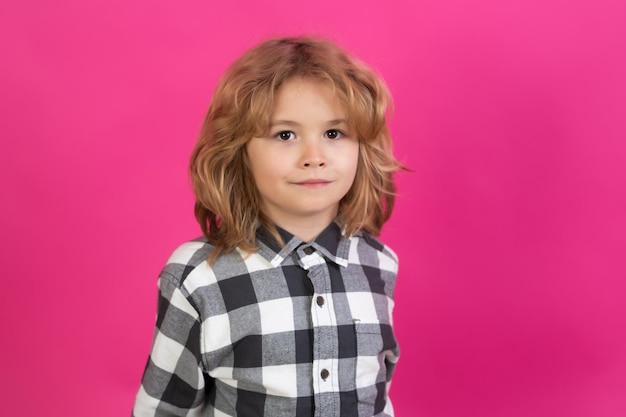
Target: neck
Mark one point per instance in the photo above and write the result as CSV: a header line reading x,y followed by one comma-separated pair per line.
x,y
305,232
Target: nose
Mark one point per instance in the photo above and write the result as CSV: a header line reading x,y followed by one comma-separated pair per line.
x,y
313,155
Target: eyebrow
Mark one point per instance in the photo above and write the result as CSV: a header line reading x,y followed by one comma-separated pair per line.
x,y
334,122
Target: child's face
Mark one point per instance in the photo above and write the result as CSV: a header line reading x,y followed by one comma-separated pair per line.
x,y
308,162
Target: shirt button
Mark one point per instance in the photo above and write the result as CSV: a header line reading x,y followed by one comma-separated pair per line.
x,y
319,300
309,250
324,374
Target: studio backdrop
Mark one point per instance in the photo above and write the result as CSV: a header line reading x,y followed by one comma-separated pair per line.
x,y
510,225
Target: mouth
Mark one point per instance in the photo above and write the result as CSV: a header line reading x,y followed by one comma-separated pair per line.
x,y
313,183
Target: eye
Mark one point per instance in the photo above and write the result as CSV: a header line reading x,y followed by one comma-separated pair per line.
x,y
333,134
285,135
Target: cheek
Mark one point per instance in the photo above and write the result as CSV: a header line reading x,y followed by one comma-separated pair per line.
x,y
350,168
257,162
259,176
354,162
266,174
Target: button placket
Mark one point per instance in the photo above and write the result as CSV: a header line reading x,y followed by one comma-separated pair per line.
x,y
324,320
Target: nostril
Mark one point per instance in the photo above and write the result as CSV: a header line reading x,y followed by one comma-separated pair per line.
x,y
314,163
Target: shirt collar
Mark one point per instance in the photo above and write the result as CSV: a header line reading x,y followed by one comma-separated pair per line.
x,y
330,243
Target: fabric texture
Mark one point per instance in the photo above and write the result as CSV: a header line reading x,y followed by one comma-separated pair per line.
x,y
300,330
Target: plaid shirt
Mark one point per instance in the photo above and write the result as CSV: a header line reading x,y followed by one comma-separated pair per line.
x,y
299,330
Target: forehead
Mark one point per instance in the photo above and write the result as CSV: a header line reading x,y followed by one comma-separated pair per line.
x,y
304,96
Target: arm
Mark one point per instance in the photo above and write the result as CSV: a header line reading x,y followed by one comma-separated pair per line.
x,y
173,382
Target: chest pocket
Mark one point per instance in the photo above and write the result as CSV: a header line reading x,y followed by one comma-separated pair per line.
x,y
372,341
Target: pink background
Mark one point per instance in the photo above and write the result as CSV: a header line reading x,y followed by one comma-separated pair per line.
x,y
511,298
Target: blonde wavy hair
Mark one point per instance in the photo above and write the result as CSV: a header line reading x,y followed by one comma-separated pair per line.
x,y
227,201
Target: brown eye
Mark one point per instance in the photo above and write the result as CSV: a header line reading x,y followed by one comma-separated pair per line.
x,y
333,134
285,135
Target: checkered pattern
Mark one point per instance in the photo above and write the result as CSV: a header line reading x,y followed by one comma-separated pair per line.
x,y
299,330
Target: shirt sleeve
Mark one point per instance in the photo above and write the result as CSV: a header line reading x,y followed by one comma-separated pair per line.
x,y
392,355
173,382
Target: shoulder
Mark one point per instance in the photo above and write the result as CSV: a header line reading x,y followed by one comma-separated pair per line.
x,y
368,250
189,252
188,267
185,259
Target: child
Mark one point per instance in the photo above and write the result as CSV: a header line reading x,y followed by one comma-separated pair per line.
x,y
284,307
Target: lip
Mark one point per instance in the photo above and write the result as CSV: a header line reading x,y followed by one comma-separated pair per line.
x,y
313,183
